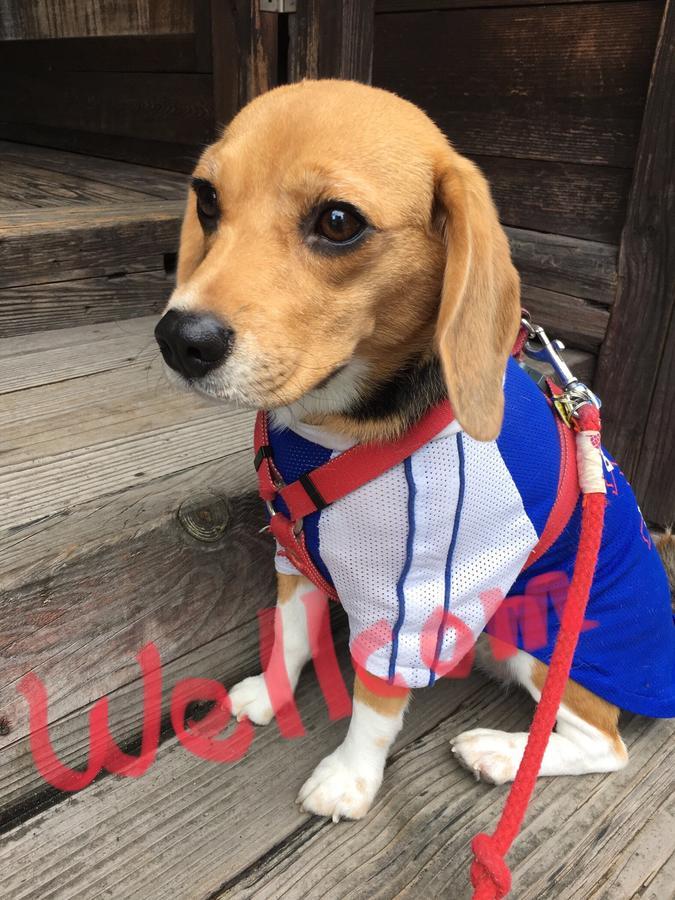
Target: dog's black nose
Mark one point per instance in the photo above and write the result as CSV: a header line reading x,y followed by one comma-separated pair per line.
x,y
193,343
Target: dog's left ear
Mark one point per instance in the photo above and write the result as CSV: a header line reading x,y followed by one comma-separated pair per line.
x,y
479,311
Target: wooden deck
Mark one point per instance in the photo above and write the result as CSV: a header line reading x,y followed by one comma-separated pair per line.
x,y
96,457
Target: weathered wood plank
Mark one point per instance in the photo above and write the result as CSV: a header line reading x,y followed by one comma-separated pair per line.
x,y
31,187
383,6
545,82
568,265
415,842
245,54
640,333
560,198
81,628
172,107
59,245
156,183
37,550
179,157
578,323
242,809
87,18
34,488
118,53
85,301
73,352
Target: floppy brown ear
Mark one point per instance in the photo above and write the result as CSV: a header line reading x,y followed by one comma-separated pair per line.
x,y
479,311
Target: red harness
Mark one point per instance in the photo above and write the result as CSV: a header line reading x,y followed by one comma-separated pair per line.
x,y
364,462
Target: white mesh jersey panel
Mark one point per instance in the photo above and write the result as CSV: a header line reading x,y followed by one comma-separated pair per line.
x,y
366,537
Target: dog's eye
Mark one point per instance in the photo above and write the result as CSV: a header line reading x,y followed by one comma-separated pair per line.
x,y
339,224
208,209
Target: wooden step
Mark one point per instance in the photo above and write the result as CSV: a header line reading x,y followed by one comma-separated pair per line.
x,y
83,240
97,456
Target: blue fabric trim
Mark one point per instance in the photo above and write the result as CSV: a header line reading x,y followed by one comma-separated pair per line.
x,y
450,556
400,585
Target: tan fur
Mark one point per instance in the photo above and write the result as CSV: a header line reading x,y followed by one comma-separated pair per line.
x,y
588,706
386,706
298,314
665,544
286,585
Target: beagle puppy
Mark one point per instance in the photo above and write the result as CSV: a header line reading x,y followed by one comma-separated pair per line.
x,y
343,267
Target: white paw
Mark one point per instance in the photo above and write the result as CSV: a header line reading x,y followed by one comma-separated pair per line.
x,y
491,755
250,698
338,790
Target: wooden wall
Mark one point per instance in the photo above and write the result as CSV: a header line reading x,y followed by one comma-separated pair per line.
x,y
548,100
36,19
127,80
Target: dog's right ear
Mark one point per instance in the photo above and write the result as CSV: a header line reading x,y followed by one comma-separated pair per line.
x,y
479,312
191,248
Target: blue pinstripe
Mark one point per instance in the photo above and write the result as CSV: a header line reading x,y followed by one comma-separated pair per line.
x,y
400,585
450,556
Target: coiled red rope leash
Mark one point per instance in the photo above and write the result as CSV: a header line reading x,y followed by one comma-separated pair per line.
x,y
490,875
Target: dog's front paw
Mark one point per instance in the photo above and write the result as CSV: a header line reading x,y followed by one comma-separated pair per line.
x,y
339,790
491,755
251,698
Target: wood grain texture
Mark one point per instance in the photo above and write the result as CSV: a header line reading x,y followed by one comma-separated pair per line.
x,y
579,323
175,156
155,183
416,841
332,40
242,809
36,550
136,53
25,185
551,82
81,629
560,198
640,335
86,301
88,18
233,831
170,107
571,266
244,53
62,244
382,6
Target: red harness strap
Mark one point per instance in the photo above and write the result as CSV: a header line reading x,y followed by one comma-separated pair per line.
x,y
365,462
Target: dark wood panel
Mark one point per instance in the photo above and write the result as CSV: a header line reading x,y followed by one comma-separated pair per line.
x,y
332,40
59,245
85,301
567,265
138,53
578,323
551,82
427,5
562,198
88,18
163,154
160,107
635,375
245,46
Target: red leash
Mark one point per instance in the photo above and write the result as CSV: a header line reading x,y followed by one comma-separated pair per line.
x,y
490,875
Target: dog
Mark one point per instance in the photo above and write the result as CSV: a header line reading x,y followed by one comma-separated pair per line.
x,y
343,267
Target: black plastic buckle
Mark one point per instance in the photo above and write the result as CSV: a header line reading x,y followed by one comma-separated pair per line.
x,y
264,452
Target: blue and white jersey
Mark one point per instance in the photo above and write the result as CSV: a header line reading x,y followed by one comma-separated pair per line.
x,y
422,556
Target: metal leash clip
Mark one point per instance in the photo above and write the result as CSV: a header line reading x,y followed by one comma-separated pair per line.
x,y
575,393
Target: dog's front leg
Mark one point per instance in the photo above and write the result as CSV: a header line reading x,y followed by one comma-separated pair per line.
x,y
290,652
345,783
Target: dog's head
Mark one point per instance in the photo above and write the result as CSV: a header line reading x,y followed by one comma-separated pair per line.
x,y
332,241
